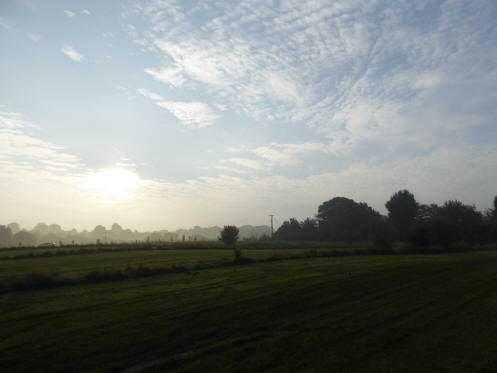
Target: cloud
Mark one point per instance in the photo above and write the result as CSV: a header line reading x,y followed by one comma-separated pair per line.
x,y
277,155
355,72
34,37
72,53
69,13
287,154
21,150
191,114
248,163
86,11
172,76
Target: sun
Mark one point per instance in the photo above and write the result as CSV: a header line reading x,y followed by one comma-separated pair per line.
x,y
115,183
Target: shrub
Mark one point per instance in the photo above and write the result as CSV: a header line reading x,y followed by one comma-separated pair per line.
x,y
229,234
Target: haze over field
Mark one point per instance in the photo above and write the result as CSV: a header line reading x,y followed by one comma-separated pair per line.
x,y
170,114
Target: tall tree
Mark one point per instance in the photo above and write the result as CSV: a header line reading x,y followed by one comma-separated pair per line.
x,y
343,219
402,210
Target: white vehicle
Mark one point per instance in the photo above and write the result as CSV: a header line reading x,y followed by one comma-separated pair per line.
x,y
47,244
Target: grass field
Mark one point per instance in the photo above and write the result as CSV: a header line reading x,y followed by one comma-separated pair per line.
x,y
370,313
71,266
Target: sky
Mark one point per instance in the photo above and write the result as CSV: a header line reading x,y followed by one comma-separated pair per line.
x,y
161,114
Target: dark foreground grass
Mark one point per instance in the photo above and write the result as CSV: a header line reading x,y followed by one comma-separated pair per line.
x,y
74,266
378,313
37,280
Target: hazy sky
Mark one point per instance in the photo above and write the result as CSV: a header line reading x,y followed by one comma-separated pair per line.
x,y
167,114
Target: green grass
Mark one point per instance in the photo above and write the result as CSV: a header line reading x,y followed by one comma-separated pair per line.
x,y
418,313
72,266
9,253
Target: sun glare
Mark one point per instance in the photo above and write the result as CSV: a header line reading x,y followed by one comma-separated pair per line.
x,y
113,183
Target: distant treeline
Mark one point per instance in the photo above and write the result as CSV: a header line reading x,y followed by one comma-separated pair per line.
x,y
342,219
12,235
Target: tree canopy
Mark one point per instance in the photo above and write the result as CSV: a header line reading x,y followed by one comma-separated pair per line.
x,y
229,234
402,210
343,219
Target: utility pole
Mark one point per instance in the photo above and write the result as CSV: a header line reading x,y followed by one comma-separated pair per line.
x,y
272,229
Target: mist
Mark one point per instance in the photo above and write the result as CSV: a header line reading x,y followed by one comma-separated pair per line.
x,y
13,234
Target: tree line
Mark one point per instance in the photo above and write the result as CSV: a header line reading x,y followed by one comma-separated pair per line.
x,y
12,235
344,220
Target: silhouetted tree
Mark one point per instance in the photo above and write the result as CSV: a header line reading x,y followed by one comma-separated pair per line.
x,y
494,210
98,233
463,222
24,238
419,234
492,231
309,230
426,213
55,229
5,236
402,210
290,230
41,229
229,234
116,227
342,219
383,233
99,229
14,227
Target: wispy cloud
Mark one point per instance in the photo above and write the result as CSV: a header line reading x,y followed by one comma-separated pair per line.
x,y
172,76
72,53
86,11
20,149
191,114
248,163
287,154
69,13
277,155
34,37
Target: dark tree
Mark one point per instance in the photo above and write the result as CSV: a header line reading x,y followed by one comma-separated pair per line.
x,y
494,210
290,230
229,234
419,234
402,210
309,229
463,221
342,219
426,213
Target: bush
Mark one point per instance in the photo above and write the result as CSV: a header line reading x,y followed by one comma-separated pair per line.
x,y
229,234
